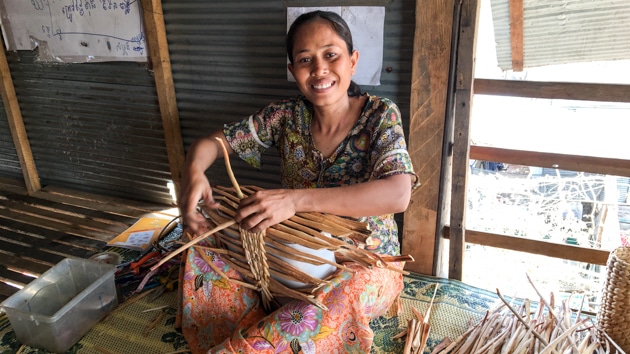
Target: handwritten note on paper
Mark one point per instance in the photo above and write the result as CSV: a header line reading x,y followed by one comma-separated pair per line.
x,y
75,30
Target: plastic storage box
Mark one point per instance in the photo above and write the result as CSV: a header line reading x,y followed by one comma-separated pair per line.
x,y
55,310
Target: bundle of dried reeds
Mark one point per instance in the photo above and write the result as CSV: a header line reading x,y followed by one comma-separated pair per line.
x,y
259,257
418,329
548,329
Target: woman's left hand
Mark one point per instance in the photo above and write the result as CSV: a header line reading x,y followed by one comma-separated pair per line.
x,y
265,208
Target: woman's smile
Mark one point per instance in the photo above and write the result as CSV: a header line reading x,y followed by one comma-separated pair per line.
x,y
323,86
322,66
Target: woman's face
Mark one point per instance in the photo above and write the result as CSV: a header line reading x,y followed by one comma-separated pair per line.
x,y
322,67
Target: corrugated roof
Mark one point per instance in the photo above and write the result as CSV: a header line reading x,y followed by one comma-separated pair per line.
x,y
564,31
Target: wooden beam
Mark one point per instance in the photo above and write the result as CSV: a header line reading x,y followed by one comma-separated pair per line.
x,y
16,124
543,248
554,90
440,259
463,103
160,59
516,34
608,166
429,77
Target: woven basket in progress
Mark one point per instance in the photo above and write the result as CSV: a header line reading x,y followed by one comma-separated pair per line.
x,y
262,257
614,314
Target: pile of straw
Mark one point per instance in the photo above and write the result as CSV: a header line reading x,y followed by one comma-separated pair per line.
x,y
418,330
548,329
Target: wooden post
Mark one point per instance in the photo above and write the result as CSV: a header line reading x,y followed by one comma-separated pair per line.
x,y
461,147
429,88
160,59
16,124
516,34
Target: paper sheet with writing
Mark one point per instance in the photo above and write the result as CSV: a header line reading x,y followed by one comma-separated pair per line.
x,y
137,239
75,30
142,234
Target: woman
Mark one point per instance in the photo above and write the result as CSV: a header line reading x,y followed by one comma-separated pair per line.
x,y
343,153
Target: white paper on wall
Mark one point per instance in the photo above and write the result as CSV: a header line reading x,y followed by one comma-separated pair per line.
x,y
75,30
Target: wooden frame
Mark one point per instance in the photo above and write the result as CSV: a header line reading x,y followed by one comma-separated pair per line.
x,y
161,62
429,91
554,90
609,166
456,231
550,249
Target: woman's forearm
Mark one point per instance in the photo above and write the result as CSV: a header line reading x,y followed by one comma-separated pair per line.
x,y
384,196
269,207
204,151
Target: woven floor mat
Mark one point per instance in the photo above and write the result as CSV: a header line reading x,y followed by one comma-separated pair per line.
x,y
456,306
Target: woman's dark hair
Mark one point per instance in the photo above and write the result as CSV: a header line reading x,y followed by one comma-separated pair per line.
x,y
338,25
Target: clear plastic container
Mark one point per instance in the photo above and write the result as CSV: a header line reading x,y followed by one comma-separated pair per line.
x,y
55,310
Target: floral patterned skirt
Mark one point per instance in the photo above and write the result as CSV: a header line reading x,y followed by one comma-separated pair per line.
x,y
219,316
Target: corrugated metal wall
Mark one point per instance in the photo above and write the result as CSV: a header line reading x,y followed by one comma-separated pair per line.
x,y
229,60
9,163
93,126
561,31
97,126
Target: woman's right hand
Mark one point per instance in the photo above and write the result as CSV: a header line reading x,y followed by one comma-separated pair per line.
x,y
195,188
195,192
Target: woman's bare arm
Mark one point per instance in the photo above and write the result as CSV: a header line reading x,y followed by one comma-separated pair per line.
x,y
269,207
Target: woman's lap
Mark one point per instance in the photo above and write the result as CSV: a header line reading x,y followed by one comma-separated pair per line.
x,y
227,317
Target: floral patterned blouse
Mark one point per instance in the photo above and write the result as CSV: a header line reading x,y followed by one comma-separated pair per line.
x,y
374,148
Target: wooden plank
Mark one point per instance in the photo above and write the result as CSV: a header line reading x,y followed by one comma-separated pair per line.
x,y
440,258
554,90
42,238
6,291
429,88
9,276
16,124
130,208
36,231
51,224
45,250
543,248
115,220
609,166
516,34
110,204
461,147
65,250
12,185
160,59
26,265
82,225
